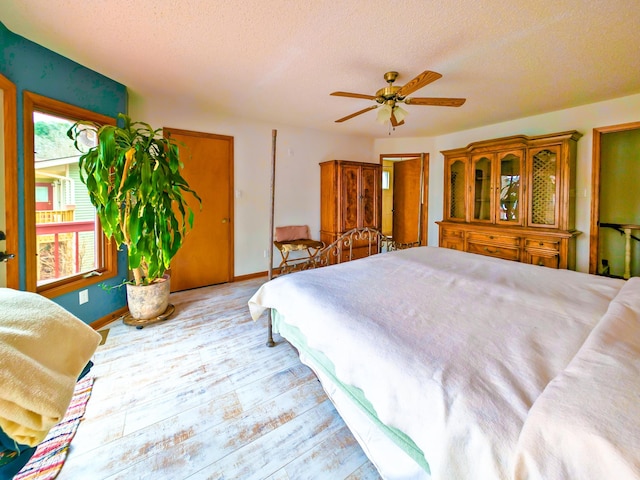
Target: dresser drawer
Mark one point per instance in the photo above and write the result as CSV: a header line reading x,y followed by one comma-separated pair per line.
x,y
542,259
507,253
542,244
493,238
452,233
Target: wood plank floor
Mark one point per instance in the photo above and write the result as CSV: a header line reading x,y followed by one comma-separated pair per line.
x,y
200,396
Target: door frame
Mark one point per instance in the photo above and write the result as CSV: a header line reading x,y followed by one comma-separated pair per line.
x,y
594,234
424,217
10,130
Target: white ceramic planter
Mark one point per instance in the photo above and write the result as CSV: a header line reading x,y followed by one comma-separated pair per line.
x,y
149,301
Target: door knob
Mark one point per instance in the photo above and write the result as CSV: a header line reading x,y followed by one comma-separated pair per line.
x,y
225,220
4,256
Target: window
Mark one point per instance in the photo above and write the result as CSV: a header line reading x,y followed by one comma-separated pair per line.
x,y
385,180
65,246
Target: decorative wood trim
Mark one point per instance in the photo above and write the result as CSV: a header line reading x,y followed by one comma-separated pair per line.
x,y
515,141
249,276
594,232
107,319
10,121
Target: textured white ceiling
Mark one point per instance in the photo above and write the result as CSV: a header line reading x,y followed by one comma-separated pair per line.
x,y
278,60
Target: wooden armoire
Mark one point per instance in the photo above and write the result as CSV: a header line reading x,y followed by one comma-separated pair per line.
x,y
350,197
513,198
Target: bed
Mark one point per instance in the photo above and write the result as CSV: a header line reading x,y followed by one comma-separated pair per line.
x,y
450,365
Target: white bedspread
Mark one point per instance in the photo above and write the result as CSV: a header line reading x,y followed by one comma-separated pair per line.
x,y
586,423
451,348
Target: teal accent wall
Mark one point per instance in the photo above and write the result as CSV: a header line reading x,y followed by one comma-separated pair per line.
x,y
34,68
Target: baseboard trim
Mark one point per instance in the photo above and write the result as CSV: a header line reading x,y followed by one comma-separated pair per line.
x,y
107,319
250,276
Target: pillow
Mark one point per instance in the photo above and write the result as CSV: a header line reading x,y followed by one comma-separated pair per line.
x,y
294,232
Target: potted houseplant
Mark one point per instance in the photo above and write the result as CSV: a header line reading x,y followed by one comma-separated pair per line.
x,y
133,178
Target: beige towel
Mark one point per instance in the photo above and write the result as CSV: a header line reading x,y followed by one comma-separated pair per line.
x,y
43,349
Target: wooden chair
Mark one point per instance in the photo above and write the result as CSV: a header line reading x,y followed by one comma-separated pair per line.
x,y
295,238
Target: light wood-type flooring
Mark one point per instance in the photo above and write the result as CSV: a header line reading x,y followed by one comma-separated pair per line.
x,y
200,396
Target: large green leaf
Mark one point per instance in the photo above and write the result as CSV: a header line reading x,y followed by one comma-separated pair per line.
x,y
151,190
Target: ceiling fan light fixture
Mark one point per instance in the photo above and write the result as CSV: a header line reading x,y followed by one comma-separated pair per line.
x,y
384,114
400,113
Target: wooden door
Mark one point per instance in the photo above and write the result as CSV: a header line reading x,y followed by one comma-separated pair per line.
x,y
9,271
406,200
387,198
206,257
3,224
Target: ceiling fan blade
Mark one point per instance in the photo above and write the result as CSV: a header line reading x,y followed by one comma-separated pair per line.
x,y
364,110
353,95
420,81
394,121
438,102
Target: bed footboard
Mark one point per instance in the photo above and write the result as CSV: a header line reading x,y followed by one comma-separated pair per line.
x,y
351,245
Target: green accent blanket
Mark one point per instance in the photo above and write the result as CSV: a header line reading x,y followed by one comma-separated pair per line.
x,y
298,340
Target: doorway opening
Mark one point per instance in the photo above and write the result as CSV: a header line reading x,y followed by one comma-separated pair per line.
x,y
614,248
405,180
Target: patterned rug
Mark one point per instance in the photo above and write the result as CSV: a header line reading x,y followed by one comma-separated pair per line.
x,y
50,455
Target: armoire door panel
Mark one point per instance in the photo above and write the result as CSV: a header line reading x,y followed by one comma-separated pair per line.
x,y
350,194
369,193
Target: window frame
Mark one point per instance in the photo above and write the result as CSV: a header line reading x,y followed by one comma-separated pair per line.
x,y
109,268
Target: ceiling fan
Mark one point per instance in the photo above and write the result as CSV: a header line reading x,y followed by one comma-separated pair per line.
x,y
389,97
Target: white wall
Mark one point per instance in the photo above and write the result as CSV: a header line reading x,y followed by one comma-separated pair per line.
x,y
583,119
298,153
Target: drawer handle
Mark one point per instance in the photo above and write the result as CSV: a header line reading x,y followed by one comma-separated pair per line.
x,y
541,263
487,249
491,237
541,244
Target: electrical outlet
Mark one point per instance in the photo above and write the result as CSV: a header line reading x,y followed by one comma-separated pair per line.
x,y
83,296
265,254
